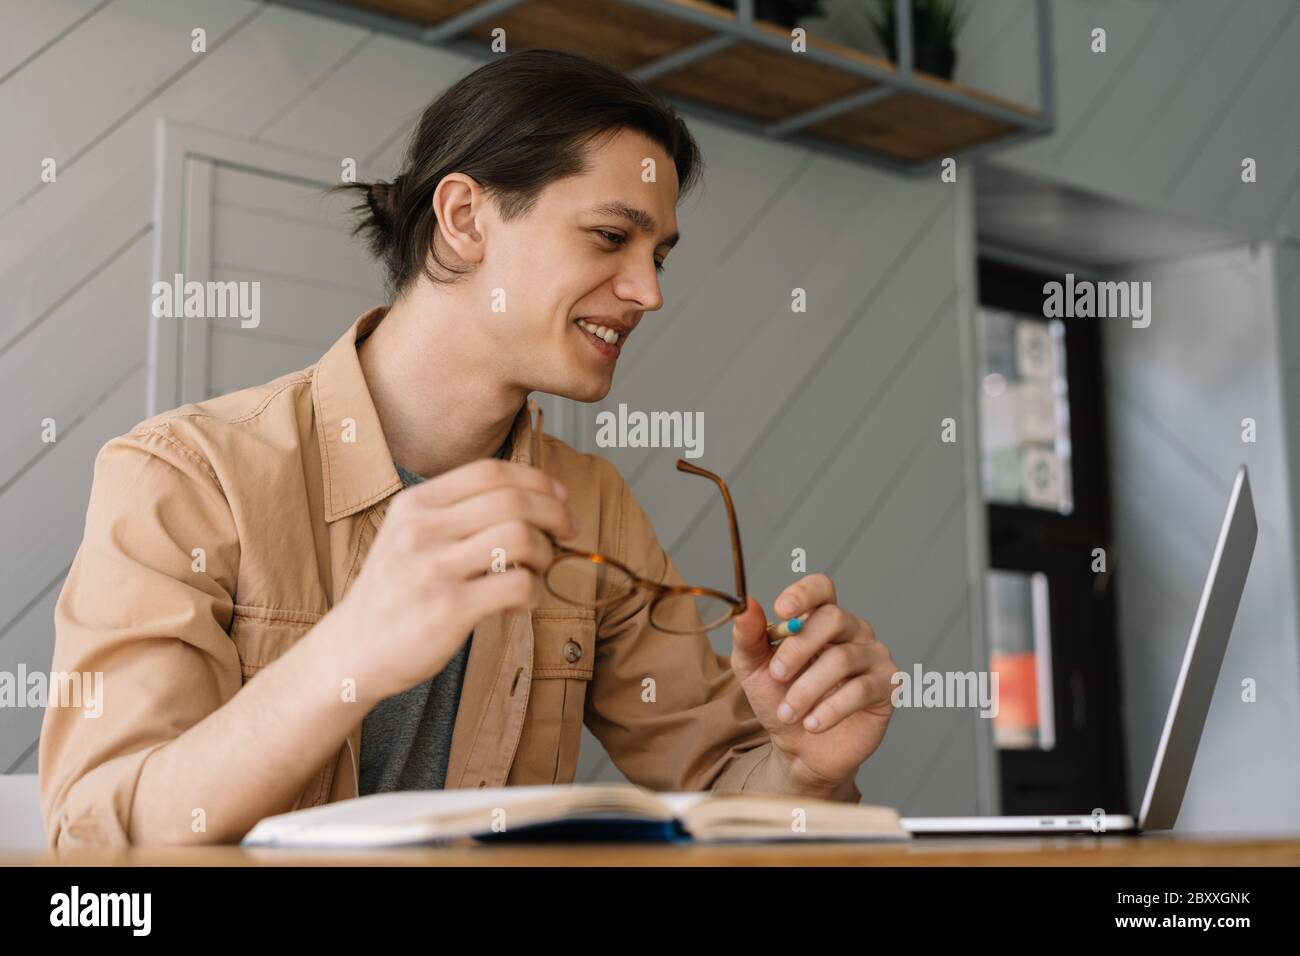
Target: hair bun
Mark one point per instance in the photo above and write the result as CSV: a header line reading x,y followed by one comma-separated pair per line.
x,y
383,199
379,195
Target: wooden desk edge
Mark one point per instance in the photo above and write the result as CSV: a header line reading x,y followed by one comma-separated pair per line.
x,y
1148,850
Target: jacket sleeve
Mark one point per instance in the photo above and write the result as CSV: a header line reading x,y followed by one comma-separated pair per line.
x,y
667,708
145,614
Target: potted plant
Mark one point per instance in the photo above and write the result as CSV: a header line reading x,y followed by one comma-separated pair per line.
x,y
787,13
935,25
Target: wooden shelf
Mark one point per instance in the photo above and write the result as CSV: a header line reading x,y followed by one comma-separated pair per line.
x,y
700,55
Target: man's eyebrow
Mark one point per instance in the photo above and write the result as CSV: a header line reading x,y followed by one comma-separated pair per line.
x,y
638,217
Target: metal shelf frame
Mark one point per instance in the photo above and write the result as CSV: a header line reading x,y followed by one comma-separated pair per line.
x,y
729,31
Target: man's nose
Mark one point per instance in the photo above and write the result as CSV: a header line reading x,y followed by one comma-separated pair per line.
x,y
641,285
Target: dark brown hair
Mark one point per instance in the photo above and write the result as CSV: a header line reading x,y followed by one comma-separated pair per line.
x,y
514,125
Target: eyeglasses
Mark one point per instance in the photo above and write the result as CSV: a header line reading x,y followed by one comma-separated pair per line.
x,y
596,580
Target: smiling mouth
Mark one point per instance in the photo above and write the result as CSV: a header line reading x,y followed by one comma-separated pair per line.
x,y
608,350
607,335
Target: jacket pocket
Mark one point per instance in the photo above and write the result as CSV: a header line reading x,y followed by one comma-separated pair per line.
x,y
564,649
262,634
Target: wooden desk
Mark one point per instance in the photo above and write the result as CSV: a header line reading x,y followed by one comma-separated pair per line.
x,y
1149,850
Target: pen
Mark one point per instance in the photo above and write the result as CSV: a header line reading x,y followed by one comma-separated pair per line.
x,y
778,631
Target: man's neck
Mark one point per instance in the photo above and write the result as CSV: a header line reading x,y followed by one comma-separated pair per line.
x,y
438,400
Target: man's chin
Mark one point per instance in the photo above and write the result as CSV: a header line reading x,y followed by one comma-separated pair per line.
x,y
586,390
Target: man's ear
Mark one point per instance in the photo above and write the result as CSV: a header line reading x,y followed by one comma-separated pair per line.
x,y
458,202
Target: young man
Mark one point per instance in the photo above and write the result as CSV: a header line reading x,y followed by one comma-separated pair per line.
x,y
290,590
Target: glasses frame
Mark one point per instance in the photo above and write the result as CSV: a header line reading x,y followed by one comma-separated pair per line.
x,y
657,589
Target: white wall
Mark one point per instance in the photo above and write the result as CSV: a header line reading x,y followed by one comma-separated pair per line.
x,y
1177,393
1161,122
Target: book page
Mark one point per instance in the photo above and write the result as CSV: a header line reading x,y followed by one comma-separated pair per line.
x,y
443,809
386,809
680,801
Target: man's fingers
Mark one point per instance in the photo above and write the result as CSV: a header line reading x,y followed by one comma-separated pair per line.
x,y
863,692
507,545
835,665
826,625
516,589
749,647
541,509
805,594
477,477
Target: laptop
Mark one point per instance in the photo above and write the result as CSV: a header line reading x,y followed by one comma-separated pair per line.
x,y
1191,701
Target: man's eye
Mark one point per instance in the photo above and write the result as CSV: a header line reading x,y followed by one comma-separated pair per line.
x,y
619,239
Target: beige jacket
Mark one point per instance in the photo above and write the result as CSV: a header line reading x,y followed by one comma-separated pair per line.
x,y
286,511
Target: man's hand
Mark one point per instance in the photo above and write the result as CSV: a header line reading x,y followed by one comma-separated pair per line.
x,y
823,694
426,582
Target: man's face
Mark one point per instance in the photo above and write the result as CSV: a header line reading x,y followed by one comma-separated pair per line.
x,y
575,256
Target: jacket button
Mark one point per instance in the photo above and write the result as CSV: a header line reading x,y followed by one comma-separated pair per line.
x,y
572,651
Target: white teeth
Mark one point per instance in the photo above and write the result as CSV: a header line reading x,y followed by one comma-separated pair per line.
x,y
600,331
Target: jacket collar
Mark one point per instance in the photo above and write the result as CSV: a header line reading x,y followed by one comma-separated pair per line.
x,y
356,463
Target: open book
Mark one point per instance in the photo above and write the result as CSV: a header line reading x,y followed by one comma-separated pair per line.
x,y
575,812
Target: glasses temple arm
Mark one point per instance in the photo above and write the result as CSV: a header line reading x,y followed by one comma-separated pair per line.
x,y
736,553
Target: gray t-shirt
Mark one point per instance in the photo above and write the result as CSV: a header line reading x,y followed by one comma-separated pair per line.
x,y
406,738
